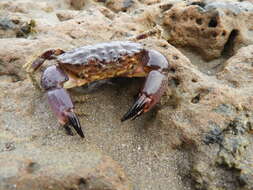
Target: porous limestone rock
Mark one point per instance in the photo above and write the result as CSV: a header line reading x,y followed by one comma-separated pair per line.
x,y
211,28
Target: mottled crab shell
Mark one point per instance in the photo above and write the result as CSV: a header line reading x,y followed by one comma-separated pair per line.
x,y
102,52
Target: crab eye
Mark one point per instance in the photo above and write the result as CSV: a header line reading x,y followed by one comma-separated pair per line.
x,y
111,52
115,58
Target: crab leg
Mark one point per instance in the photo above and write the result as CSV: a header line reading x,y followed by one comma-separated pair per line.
x,y
52,81
47,55
32,67
154,87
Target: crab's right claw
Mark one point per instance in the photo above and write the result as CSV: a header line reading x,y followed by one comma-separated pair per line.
x,y
62,107
52,81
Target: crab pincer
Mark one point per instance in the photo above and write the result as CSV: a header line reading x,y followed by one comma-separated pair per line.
x,y
52,81
149,96
61,104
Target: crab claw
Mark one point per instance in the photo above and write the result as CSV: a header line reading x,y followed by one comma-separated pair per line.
x,y
58,98
62,107
74,122
139,107
154,87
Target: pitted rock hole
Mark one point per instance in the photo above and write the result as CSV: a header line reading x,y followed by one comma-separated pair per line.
x,y
200,4
213,22
196,99
228,49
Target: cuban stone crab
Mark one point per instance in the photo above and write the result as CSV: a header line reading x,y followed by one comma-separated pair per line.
x,y
90,63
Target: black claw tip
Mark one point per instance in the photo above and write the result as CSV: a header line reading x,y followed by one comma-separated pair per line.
x,y
74,122
136,110
68,129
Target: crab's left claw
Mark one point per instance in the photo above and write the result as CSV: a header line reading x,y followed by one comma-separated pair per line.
x,y
140,106
154,87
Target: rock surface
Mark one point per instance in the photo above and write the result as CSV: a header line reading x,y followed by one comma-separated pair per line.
x,y
198,137
213,28
43,169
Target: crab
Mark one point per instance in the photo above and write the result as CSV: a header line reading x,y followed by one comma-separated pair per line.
x,y
90,63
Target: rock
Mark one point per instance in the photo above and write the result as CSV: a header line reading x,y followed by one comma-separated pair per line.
x,y
224,126
214,29
150,2
16,28
77,4
64,15
24,7
237,70
119,5
51,169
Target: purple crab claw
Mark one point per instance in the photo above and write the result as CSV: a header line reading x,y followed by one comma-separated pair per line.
x,y
62,107
154,87
58,98
140,106
73,121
